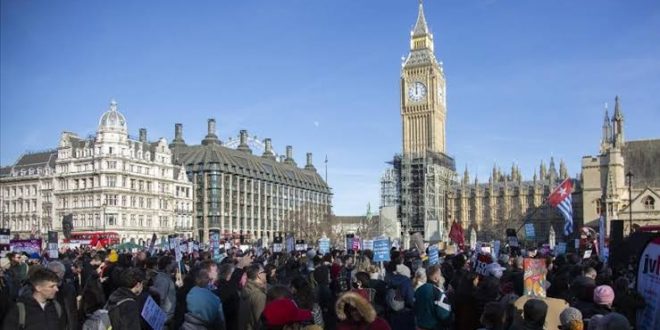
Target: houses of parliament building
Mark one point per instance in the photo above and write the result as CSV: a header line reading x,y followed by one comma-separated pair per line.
x,y
423,192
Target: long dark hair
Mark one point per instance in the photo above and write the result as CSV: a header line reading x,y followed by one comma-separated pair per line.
x,y
304,295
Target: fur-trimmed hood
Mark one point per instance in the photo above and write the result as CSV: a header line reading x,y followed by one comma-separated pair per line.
x,y
358,302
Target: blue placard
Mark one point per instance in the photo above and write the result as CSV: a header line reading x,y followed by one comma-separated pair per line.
x,y
433,255
290,244
381,250
152,313
529,231
324,245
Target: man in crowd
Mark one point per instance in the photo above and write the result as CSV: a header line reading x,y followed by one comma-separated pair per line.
x,y
40,310
253,297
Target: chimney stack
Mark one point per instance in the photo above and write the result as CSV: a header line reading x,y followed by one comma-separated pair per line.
x,y
211,138
268,151
309,166
289,156
143,135
243,146
178,136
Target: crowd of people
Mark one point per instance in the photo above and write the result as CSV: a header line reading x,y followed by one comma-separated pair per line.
x,y
87,288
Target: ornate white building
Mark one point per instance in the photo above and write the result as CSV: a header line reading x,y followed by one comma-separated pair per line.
x,y
107,182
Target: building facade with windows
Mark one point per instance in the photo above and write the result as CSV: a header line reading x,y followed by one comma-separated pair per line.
x,y
240,194
106,182
26,194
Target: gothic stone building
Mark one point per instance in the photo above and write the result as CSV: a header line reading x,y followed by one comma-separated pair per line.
x,y
240,194
607,190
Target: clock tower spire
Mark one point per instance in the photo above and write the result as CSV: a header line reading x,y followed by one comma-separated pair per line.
x,y
423,100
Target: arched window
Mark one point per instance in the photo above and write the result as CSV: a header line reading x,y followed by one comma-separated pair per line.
x,y
649,203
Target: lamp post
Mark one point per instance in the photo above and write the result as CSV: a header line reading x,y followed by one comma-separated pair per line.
x,y
629,176
104,217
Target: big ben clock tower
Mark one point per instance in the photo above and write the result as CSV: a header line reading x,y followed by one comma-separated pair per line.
x,y
425,169
423,106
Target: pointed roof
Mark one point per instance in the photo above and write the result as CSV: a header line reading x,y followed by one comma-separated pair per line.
x,y
421,28
606,121
617,110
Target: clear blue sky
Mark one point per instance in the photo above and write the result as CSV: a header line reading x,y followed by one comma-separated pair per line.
x,y
526,79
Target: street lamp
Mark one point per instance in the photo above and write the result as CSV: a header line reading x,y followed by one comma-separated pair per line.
x,y
629,175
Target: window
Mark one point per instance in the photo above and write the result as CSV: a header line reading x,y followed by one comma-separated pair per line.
x,y
599,207
112,181
649,203
111,164
112,220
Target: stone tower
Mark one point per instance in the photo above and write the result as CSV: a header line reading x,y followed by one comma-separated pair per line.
x,y
423,106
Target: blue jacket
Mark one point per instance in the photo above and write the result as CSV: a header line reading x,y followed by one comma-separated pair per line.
x,y
404,284
432,308
206,306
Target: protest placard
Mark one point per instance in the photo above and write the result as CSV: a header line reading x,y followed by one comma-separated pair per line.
x,y
324,245
368,244
534,277
381,250
153,314
433,255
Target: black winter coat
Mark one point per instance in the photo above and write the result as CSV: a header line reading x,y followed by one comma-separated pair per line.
x,y
36,318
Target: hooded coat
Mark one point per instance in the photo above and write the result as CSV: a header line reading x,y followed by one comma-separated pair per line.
x,y
369,318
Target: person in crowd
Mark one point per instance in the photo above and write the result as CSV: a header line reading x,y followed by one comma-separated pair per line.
x,y
160,284
354,312
204,307
432,308
66,296
123,306
18,272
626,301
5,287
229,294
419,279
253,297
380,290
400,298
282,313
493,317
305,298
322,267
464,300
534,313
603,298
571,319
612,321
361,286
39,310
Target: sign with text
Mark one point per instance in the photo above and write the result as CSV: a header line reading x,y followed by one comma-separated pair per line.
x,y
153,314
300,245
648,282
53,252
530,233
368,244
534,277
215,245
481,263
324,245
381,250
290,243
433,255
5,237
560,248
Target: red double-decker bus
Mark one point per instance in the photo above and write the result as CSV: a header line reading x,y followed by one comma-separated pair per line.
x,y
94,238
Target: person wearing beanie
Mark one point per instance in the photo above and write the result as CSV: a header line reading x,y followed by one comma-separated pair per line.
x,y
571,319
534,313
603,299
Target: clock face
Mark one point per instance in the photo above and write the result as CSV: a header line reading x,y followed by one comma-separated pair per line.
x,y
416,91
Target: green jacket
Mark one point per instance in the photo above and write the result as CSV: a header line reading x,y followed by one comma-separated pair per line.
x,y
253,301
432,309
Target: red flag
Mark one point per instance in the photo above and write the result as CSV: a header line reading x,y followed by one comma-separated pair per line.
x,y
456,234
560,193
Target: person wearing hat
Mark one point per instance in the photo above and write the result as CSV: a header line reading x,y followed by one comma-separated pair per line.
x,y
283,313
603,298
355,312
571,319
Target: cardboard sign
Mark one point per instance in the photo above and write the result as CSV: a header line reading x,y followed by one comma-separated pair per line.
x,y
381,250
153,314
587,254
356,243
534,277
324,245
433,255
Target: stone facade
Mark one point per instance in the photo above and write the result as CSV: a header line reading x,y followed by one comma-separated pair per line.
x,y
605,177
107,182
252,196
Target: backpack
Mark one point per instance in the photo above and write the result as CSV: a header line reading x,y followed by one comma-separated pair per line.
x,y
100,319
21,312
394,298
